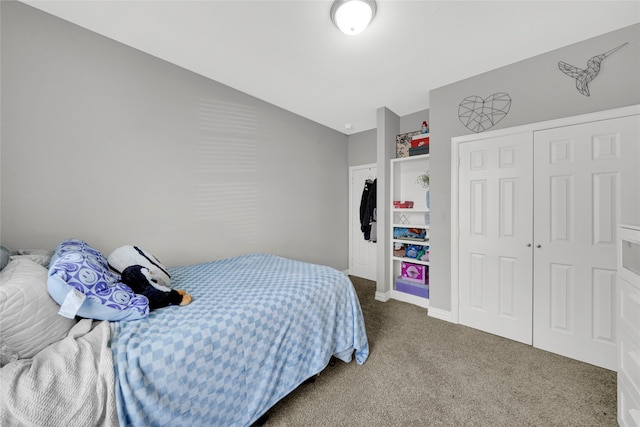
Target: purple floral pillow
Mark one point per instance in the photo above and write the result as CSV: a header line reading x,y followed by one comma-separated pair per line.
x,y
80,273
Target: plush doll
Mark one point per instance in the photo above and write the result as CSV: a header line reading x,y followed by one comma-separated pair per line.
x,y
129,255
146,275
140,280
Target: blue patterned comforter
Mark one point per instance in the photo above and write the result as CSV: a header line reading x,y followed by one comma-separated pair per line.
x,y
259,326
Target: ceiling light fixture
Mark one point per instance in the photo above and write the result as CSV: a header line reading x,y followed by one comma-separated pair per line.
x,y
353,16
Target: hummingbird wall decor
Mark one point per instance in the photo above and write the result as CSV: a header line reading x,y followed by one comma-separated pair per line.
x,y
584,77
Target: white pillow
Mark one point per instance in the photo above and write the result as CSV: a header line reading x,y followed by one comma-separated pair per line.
x,y
41,256
28,315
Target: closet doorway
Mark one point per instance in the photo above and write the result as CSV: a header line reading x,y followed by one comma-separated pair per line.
x,y
362,253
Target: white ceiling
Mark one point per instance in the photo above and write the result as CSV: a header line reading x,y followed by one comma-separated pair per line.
x,y
290,54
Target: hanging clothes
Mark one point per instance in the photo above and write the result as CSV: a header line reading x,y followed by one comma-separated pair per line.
x,y
373,197
367,208
374,226
365,227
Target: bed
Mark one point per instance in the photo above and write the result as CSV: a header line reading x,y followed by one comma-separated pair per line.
x,y
258,327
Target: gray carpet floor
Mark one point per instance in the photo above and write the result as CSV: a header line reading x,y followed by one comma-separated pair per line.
x,y
423,371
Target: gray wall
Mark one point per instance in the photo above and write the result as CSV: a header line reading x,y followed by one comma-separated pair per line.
x,y
388,127
413,122
108,144
362,148
539,92
362,145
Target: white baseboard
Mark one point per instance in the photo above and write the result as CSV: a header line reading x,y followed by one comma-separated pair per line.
x,y
383,296
438,313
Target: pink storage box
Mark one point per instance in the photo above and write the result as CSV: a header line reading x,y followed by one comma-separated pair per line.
x,y
413,288
415,273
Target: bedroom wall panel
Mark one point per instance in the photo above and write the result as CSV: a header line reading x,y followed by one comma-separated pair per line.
x,y
103,142
362,148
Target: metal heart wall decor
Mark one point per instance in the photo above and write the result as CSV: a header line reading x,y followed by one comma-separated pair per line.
x,y
479,114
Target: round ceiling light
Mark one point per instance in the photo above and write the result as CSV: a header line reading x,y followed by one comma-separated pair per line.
x,y
353,16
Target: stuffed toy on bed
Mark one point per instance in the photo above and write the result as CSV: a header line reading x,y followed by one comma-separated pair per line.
x,y
139,279
129,255
146,275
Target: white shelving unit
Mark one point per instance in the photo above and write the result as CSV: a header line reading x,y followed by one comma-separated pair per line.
x,y
404,174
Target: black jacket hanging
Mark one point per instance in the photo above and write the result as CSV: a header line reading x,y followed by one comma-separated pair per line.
x,y
367,207
364,225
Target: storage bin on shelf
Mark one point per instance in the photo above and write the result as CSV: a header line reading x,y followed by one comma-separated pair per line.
x,y
416,273
413,288
413,279
407,204
419,145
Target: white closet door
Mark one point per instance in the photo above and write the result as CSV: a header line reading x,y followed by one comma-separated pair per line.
x,y
586,176
495,226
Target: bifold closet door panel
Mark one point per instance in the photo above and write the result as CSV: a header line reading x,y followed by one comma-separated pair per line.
x,y
495,235
585,182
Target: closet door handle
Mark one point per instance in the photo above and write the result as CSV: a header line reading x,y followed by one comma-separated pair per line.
x,y
538,246
528,245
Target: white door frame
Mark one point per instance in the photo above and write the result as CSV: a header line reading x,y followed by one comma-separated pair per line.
x,y
456,141
351,213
